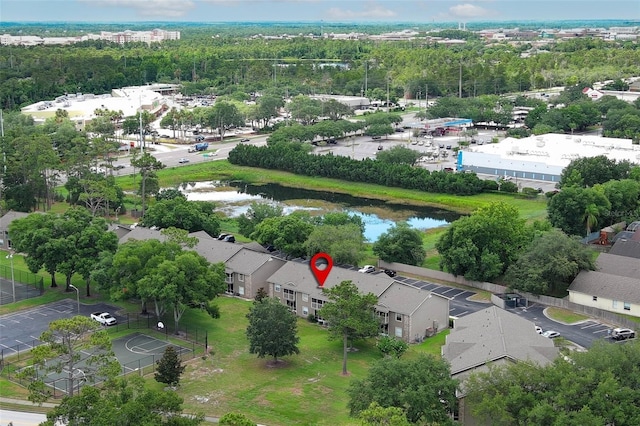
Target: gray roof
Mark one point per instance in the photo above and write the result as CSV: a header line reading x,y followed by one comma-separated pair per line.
x,y
9,217
493,334
626,247
613,287
140,233
248,261
404,299
213,250
299,275
622,266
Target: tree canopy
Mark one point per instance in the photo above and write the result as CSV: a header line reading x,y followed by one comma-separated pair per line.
x,y
272,329
351,315
596,387
421,387
482,246
401,244
177,212
576,210
549,264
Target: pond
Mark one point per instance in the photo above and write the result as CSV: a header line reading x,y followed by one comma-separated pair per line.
x,y
235,198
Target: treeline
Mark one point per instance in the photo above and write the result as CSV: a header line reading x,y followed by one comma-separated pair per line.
x,y
294,158
230,64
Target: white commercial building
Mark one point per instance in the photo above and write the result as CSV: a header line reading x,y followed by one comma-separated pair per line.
x,y
542,157
81,107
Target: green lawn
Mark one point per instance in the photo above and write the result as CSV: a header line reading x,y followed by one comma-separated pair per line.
x,y
307,389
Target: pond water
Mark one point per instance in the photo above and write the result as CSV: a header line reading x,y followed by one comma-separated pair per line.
x,y
235,198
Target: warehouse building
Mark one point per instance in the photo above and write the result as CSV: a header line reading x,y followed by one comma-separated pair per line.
x,y
542,157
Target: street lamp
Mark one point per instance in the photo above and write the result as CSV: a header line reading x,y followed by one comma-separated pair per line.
x,y
13,281
73,287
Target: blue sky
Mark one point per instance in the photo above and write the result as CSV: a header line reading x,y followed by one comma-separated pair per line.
x,y
314,10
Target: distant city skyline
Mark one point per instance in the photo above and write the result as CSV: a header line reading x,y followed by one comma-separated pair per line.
x,y
370,11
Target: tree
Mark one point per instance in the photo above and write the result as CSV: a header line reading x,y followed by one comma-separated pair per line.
x,y
344,243
399,155
147,165
376,415
401,244
180,213
482,246
304,109
392,346
566,392
423,387
350,315
594,170
566,209
169,367
549,264
123,402
77,346
256,213
286,233
235,419
222,116
272,329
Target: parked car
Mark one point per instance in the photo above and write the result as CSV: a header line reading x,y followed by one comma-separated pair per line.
x,y
390,272
245,140
183,160
229,239
367,269
104,318
222,236
199,138
376,137
551,334
622,334
538,329
380,147
119,166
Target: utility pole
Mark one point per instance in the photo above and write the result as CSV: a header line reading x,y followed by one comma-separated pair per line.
x,y
460,82
141,133
426,96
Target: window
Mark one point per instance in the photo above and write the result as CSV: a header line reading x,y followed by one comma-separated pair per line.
x,y
241,291
615,304
229,287
228,278
292,305
627,306
398,331
398,317
595,298
241,278
277,288
305,311
289,294
305,297
384,317
316,303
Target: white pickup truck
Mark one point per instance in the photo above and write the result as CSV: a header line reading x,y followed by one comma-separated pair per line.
x,y
104,318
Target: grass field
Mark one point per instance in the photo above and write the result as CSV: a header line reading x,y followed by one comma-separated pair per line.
x,y
307,389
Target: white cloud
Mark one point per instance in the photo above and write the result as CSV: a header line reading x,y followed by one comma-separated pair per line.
x,y
376,12
149,8
468,11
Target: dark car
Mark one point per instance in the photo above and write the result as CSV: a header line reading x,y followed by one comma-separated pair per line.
x,y
199,138
399,130
229,239
390,272
380,148
376,137
245,140
222,236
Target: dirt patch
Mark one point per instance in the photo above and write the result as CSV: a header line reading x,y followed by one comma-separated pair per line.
x,y
262,401
276,364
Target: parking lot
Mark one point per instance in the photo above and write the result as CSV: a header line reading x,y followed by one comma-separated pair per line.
x,y
20,331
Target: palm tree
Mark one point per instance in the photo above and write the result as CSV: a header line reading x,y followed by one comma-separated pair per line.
x,y
590,217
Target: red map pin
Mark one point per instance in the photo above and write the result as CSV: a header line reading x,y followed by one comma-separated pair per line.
x,y
325,262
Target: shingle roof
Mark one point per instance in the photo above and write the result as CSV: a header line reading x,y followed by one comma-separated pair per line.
x,y
9,217
626,247
614,287
622,266
248,261
492,334
299,275
404,299
140,233
213,250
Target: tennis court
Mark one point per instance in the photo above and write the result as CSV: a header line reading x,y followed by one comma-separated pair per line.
x,y
134,352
